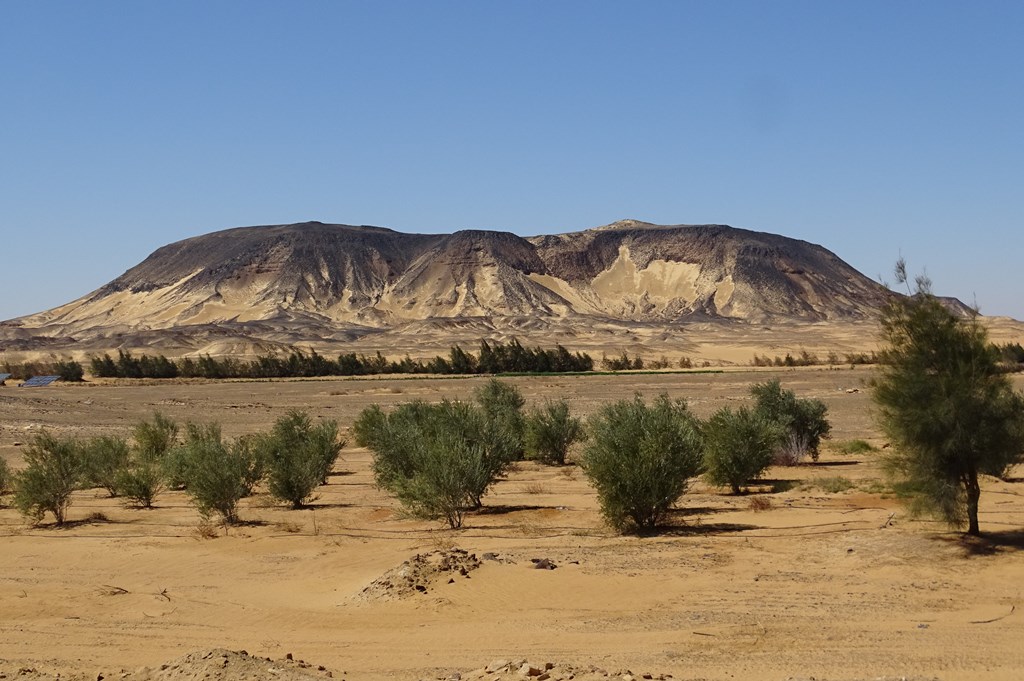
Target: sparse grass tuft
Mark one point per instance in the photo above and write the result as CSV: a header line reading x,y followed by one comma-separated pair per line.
x,y
535,488
782,486
290,528
834,485
875,486
205,529
854,447
761,503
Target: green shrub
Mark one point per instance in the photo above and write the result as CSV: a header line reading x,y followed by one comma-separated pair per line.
x,y
437,459
299,456
738,446
803,418
503,404
217,474
834,485
53,470
550,431
141,481
103,458
155,438
6,477
640,459
854,447
392,439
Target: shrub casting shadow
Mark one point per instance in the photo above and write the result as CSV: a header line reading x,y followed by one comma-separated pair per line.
x,y
989,543
83,522
829,464
774,486
697,529
502,509
683,511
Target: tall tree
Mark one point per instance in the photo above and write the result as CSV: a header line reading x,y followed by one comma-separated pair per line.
x,y
950,413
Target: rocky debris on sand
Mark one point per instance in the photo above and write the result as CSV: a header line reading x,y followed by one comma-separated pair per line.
x,y
207,665
226,665
420,573
523,670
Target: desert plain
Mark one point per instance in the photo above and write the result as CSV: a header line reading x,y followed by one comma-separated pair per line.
x,y
817,572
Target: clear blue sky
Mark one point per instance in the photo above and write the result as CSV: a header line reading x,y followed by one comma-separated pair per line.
x,y
872,128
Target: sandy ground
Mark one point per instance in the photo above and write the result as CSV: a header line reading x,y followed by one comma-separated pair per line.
x,y
837,585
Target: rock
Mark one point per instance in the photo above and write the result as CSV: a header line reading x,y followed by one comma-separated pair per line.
x,y
543,564
495,666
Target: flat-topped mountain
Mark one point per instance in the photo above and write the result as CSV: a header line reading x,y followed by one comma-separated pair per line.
x,y
284,283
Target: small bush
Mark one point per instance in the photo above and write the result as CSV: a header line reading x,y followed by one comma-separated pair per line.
x,y
761,503
53,470
6,477
640,459
140,482
155,438
791,451
152,460
834,485
217,474
875,486
205,529
103,458
437,459
738,446
249,449
854,447
804,418
503,405
299,456
550,431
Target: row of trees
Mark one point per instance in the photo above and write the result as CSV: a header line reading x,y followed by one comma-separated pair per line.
x,y
68,369
438,460
493,358
292,459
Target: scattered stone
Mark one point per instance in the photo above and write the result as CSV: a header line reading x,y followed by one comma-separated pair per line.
x,y
543,564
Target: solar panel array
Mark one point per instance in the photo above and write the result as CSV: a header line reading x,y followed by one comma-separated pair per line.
x,y
39,381
4,377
